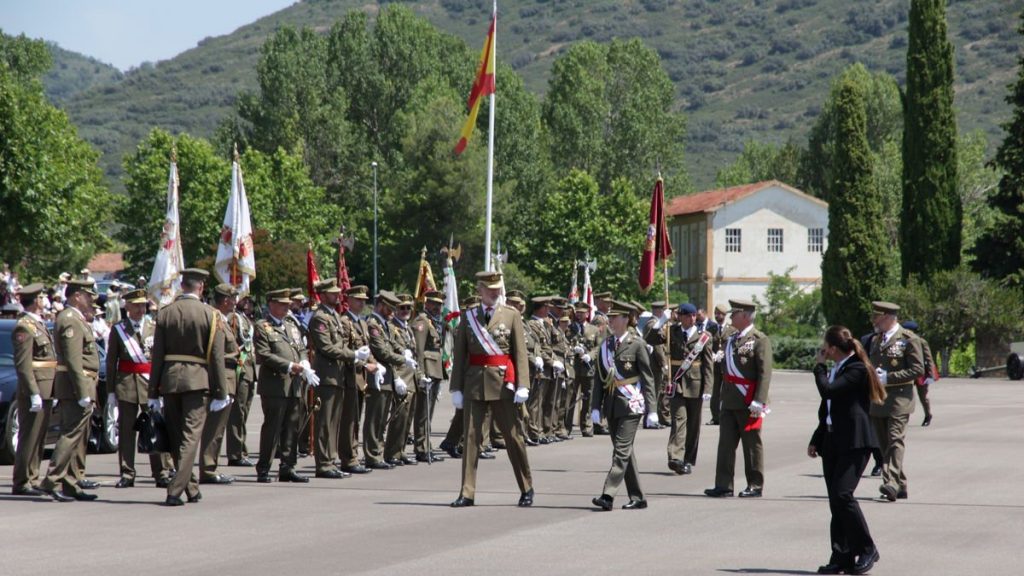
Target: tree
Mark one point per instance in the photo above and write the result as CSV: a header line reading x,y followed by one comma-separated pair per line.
x,y
1000,250
932,215
759,162
52,199
855,266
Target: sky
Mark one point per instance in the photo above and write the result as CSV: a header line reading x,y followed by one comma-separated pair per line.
x,y
127,33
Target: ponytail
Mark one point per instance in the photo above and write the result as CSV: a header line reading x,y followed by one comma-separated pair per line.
x,y
841,338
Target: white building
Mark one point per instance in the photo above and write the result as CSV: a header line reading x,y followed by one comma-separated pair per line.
x,y
726,242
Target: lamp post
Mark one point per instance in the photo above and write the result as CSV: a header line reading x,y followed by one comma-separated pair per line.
x,y
374,166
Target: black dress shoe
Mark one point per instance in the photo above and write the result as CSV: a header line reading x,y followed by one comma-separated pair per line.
x,y
394,462
635,505
487,456
406,461
174,501
498,445
865,562
462,502
357,469
712,422
380,466
242,462
543,440
217,479
531,442
553,439
901,494
125,483
30,491
88,484
264,478
289,475
57,496
676,466
749,492
332,473
428,458
718,492
163,482
587,434
834,566
876,471
604,502
526,500
194,499
927,420
83,496
888,492
687,468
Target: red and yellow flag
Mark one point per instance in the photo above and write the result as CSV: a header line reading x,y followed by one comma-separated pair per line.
x,y
482,86
657,246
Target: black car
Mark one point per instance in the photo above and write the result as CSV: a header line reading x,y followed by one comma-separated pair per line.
x,y
102,433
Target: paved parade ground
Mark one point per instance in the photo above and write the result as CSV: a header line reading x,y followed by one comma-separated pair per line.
x,y
965,514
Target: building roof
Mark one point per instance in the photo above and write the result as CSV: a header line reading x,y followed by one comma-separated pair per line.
x,y
106,263
712,200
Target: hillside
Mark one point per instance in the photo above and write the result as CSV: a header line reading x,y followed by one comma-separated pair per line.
x,y
744,69
72,73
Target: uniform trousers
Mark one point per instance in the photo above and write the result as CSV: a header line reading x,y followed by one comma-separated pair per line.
x,y
684,436
374,422
731,432
160,463
398,422
623,432
891,432
423,411
504,412
237,419
348,427
74,429
31,439
279,433
185,415
327,426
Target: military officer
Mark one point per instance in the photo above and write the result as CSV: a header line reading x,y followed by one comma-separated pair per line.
x,y
407,375
427,328
327,338
540,367
603,303
75,387
280,353
721,334
748,373
490,369
566,355
35,363
361,369
690,383
380,393
128,371
225,297
245,382
899,361
585,339
623,392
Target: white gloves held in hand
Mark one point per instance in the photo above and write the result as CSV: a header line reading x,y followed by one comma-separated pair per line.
x,y
538,362
595,416
409,360
311,377
705,397
155,404
521,395
216,405
883,376
400,387
586,358
663,319
756,409
718,356
425,382
579,349
36,403
457,399
652,420
362,353
84,402
558,366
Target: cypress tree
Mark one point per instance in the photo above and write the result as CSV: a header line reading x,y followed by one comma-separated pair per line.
x,y
930,220
1000,250
856,264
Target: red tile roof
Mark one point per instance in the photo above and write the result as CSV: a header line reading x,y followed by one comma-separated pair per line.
x,y
712,200
106,263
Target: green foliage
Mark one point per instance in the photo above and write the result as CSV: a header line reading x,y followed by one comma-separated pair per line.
x,y
788,311
856,263
976,181
932,214
52,199
962,360
73,74
794,353
763,161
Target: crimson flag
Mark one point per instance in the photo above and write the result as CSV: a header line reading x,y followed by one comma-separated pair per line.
x,y
657,246
312,276
343,281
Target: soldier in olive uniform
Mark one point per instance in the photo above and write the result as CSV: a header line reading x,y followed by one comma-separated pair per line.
x,y
75,387
690,382
721,335
35,362
585,339
225,296
361,371
623,392
540,367
128,371
187,378
490,370
566,355
245,382
453,440
327,338
899,362
427,329
380,393
931,372
280,354
748,374
407,374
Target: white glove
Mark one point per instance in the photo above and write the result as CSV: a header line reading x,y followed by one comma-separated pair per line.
x,y
585,358
155,404
400,387
652,420
521,395
558,366
883,376
381,371
563,384
305,364
411,364
756,409
666,315
362,353
595,416
718,356
378,379
85,402
55,401
929,381
217,404
457,399
650,349
37,403
579,349
705,397
111,399
538,363
425,382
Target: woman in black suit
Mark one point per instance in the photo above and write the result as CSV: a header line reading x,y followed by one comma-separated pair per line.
x,y
844,440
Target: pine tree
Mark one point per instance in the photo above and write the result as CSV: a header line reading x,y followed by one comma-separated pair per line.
x,y
930,223
856,263
1000,250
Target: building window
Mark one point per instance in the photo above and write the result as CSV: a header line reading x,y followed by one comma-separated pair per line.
x,y
775,239
733,240
815,239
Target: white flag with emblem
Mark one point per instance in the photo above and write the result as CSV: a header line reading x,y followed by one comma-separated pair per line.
x,y
165,280
236,263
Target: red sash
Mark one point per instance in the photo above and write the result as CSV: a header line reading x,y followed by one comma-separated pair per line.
x,y
751,387
129,367
496,360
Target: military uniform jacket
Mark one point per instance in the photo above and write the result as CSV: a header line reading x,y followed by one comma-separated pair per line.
x,y
183,358
542,345
751,354
232,354
330,351
562,351
631,361
383,349
903,359
278,345
588,336
128,386
428,346
35,359
487,382
700,375
402,340
657,342
243,331
79,362
355,336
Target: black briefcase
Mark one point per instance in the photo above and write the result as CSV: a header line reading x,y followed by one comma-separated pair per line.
x,y
152,433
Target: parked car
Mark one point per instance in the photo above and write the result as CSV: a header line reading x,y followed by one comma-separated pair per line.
x,y
103,434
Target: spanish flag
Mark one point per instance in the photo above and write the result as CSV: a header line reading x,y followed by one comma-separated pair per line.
x,y
482,86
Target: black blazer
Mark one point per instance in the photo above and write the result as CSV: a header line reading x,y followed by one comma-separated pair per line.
x,y
851,400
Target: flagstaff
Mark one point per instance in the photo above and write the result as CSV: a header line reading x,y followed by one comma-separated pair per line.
x,y
490,144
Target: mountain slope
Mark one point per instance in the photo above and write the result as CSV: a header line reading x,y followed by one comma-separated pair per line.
x,y
73,73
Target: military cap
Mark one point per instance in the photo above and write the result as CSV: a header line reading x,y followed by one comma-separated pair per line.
x,y
514,299
195,274
910,325
31,290
687,308
619,309
359,292
581,306
280,296
516,294
470,301
434,296
722,308
603,296
80,286
328,287
406,300
388,297
296,294
138,296
741,305
558,301
489,279
884,307
638,307
64,277
658,304
541,300
564,318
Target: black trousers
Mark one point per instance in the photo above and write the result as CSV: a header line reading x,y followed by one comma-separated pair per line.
x,y
843,468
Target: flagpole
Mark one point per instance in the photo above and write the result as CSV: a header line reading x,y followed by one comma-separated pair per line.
x,y
490,148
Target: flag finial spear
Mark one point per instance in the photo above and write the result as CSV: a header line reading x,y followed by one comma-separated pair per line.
x,y
235,154
174,152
